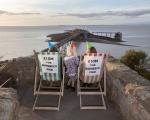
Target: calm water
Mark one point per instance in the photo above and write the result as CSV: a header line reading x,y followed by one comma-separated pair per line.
x,y
20,41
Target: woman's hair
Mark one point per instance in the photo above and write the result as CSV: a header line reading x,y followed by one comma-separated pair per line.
x,y
91,50
71,51
53,49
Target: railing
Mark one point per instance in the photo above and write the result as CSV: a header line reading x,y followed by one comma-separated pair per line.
x,y
64,41
106,34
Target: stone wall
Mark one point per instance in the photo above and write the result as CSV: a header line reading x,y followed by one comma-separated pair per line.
x,y
25,68
22,69
8,104
128,90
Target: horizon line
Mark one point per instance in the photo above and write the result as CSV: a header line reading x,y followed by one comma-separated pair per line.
x,y
73,25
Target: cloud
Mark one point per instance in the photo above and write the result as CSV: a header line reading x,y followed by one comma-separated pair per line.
x,y
18,13
2,12
131,13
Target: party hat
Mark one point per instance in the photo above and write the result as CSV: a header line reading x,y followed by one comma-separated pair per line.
x,y
50,45
88,45
67,44
71,44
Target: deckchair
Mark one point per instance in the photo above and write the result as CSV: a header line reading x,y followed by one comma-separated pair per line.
x,y
94,73
48,68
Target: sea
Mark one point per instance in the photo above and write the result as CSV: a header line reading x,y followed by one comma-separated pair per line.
x,y
20,41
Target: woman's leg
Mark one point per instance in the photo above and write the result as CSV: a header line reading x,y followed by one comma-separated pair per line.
x,y
69,82
73,80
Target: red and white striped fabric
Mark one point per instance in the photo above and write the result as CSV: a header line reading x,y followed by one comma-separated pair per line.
x,y
94,67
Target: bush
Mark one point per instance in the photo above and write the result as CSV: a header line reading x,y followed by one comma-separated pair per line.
x,y
134,59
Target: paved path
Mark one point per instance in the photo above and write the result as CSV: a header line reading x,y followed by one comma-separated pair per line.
x,y
69,109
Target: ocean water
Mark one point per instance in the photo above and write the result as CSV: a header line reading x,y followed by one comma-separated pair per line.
x,y
20,41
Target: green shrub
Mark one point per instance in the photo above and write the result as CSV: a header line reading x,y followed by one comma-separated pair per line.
x,y
134,59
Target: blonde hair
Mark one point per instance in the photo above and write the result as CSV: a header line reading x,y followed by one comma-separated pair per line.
x,y
71,51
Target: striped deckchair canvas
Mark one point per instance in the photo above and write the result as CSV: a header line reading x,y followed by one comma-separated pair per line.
x,y
94,65
94,70
49,68
49,64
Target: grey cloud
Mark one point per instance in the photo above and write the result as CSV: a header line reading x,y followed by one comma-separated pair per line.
x,y
17,13
133,13
2,12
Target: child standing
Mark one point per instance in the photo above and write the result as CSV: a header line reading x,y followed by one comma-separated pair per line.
x,y
71,62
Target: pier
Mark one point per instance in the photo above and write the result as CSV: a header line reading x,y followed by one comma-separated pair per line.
x,y
68,39
79,35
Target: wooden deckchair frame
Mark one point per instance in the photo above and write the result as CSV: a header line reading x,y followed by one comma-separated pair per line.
x,y
37,88
5,82
100,93
2,67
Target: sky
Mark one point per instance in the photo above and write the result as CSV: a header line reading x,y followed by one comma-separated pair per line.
x,y
73,12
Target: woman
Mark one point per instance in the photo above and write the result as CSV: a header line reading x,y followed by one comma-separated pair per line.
x,y
71,62
82,67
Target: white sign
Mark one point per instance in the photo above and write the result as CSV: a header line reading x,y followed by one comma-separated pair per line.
x,y
49,63
93,65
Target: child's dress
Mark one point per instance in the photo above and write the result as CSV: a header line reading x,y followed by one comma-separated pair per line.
x,y
71,64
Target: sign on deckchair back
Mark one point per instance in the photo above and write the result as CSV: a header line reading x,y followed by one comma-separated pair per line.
x,y
49,64
94,64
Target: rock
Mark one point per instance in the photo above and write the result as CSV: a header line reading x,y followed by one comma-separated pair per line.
x,y
8,104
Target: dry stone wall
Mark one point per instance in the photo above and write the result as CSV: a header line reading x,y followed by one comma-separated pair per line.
x,y
128,90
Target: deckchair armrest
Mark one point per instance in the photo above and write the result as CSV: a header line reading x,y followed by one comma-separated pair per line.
x,y
5,82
